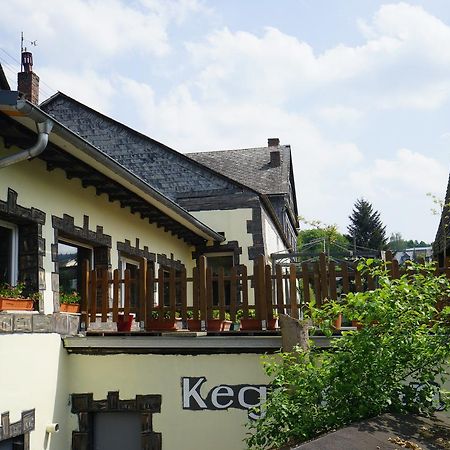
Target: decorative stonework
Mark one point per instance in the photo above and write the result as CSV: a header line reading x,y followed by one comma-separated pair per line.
x,y
231,247
128,249
23,427
85,406
163,260
31,242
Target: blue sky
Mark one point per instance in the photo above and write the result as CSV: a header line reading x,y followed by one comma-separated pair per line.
x,y
360,89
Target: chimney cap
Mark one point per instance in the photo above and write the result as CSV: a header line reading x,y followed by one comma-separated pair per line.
x,y
273,142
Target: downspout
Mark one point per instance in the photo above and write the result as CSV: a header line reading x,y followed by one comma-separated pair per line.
x,y
43,125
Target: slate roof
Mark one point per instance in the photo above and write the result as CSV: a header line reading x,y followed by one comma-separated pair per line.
x,y
165,169
387,432
251,167
3,81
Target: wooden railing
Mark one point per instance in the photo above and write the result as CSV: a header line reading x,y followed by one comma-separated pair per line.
x,y
204,295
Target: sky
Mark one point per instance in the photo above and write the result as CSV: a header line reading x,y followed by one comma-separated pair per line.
x,y
360,89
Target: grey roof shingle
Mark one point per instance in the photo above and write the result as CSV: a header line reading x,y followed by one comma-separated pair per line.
x,y
167,170
251,167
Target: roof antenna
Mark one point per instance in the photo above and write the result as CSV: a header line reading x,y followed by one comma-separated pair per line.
x,y
24,49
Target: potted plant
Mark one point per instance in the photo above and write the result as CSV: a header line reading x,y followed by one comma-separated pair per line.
x,y
251,323
161,321
69,303
12,298
214,324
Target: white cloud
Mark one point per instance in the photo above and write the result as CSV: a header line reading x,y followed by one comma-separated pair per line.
x,y
81,33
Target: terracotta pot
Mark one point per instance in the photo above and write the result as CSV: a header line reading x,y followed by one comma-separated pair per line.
x,y
164,324
337,324
70,307
124,323
357,324
252,324
16,304
211,325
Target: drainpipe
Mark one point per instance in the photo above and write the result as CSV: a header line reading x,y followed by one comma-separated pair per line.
x,y
44,126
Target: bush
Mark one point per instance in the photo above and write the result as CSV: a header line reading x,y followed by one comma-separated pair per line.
x,y
390,365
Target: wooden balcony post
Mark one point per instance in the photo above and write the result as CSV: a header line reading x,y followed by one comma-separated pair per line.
x,y
142,315
85,281
293,290
259,279
202,289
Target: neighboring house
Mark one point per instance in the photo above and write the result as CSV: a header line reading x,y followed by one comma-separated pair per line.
x,y
414,254
246,195
441,244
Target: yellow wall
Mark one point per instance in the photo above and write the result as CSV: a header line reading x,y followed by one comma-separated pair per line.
x,y
234,223
52,193
41,375
161,374
34,375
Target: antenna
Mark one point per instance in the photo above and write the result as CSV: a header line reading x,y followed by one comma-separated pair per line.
x,y
24,49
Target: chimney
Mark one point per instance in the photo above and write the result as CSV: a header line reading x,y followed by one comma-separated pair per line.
x,y
275,158
27,80
273,142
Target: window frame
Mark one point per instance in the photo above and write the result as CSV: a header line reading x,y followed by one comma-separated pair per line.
x,y
14,260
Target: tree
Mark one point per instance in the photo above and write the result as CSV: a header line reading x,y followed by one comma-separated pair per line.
x,y
397,243
366,229
396,363
326,239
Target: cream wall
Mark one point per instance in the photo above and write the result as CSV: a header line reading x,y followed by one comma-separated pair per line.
x,y
234,223
272,240
161,374
34,375
52,193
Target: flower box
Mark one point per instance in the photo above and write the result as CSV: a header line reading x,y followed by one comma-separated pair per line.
x,y
165,324
69,307
124,323
16,304
211,325
252,324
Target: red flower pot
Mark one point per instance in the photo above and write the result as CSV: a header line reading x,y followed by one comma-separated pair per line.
x,y
124,323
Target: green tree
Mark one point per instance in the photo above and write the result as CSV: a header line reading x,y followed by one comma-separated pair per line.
x,y
390,365
327,239
366,229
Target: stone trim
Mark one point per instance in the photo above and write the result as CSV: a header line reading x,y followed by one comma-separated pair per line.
x,y
23,427
232,246
85,406
31,242
254,227
66,226
171,263
64,324
128,249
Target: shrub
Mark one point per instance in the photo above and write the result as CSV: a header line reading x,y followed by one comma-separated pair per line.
x,y
392,364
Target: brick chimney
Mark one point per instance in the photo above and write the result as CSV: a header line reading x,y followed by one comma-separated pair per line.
x,y
273,142
28,81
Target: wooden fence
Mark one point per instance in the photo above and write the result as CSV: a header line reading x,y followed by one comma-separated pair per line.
x,y
204,295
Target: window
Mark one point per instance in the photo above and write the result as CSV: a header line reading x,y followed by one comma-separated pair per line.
x,y
215,261
70,259
16,443
117,430
8,253
132,266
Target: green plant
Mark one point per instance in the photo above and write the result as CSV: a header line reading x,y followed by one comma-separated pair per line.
x,y
156,315
391,365
250,315
9,291
69,299
216,315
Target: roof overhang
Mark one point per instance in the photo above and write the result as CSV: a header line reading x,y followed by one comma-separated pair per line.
x,y
80,159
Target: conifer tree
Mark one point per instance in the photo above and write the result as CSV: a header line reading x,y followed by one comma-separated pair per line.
x,y
366,228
